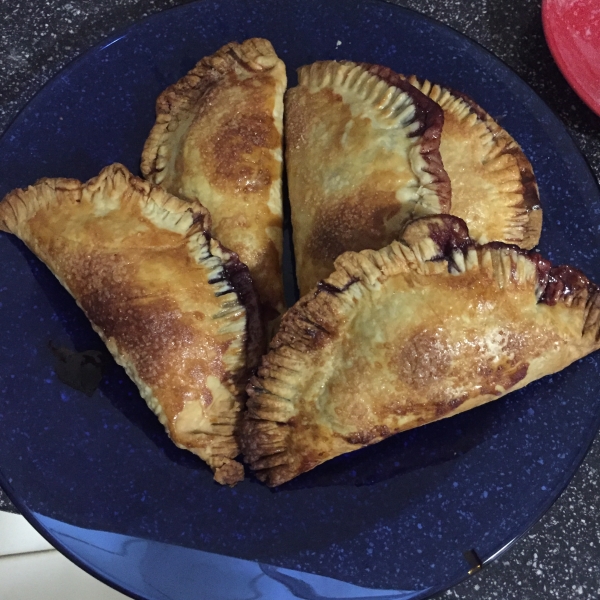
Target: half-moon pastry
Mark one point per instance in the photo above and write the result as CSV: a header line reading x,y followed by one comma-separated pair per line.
x,y
158,291
407,335
493,186
218,138
362,158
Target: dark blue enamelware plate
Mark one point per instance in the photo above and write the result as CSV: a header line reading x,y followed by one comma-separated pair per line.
x,y
98,476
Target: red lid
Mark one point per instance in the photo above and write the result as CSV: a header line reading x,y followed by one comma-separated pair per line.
x,y
572,29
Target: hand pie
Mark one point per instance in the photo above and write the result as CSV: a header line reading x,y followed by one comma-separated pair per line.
x,y
158,291
493,186
406,335
362,158
218,138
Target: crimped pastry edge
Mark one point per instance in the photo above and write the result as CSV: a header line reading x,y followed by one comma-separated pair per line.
x,y
525,227
254,55
426,121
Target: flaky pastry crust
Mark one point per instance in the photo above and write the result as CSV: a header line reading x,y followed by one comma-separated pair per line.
x,y
362,158
407,335
218,138
494,189
157,290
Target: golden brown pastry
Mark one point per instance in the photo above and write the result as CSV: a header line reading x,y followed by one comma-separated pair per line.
x,y
362,158
493,186
218,139
159,292
410,334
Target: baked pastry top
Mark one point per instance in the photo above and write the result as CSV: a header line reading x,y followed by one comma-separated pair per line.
x,y
218,139
493,185
420,330
158,291
362,158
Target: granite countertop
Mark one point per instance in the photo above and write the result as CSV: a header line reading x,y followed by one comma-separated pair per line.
x,y
560,556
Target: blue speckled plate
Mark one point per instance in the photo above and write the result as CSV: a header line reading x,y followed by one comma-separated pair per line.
x,y
98,476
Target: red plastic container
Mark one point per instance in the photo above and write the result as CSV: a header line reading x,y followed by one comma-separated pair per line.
x,y
572,29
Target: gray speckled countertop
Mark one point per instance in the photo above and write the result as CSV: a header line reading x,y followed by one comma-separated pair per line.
x,y
560,556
